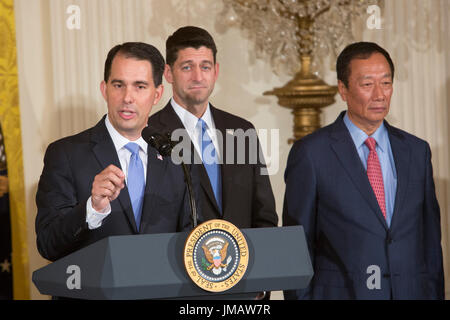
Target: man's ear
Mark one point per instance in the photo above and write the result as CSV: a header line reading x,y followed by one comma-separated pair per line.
x,y
103,89
217,71
343,91
158,93
168,73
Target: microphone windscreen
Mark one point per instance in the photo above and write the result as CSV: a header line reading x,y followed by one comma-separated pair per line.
x,y
147,133
159,141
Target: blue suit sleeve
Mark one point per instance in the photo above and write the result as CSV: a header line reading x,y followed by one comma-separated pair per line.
x,y
432,233
61,218
300,201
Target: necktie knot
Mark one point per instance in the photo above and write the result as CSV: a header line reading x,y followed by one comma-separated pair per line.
x,y
132,147
370,143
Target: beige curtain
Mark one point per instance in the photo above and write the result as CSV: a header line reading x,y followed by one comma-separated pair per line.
x,y
60,70
11,128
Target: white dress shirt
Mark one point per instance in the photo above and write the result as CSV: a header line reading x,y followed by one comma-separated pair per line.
x,y
190,123
94,218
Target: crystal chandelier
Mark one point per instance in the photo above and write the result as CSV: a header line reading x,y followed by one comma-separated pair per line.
x,y
296,36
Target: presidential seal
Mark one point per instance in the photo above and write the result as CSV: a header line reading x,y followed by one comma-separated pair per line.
x,y
216,255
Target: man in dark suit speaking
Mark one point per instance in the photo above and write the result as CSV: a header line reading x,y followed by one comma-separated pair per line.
x,y
106,180
364,192
235,191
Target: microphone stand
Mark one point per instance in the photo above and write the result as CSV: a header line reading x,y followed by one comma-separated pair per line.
x,y
187,179
164,145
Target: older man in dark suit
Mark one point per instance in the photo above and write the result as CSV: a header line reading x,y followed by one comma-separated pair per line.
x,y
364,192
106,180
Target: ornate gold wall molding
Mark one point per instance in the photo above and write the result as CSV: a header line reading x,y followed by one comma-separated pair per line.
x,y
10,122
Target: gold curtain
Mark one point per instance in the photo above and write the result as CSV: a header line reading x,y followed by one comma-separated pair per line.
x,y
10,122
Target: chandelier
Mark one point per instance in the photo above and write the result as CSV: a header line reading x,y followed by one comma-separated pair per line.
x,y
296,37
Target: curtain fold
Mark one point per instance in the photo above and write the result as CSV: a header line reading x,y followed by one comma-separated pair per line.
x,y
10,123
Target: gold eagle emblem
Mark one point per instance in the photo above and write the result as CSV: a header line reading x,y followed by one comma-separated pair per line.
x,y
216,257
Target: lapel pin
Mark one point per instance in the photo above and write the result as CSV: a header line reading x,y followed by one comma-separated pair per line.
x,y
159,157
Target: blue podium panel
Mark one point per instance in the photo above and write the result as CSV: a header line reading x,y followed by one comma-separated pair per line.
x,y
151,267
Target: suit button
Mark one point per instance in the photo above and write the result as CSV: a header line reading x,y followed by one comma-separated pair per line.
x,y
389,240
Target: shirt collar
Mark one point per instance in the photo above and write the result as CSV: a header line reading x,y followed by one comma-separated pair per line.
x,y
189,120
359,136
119,140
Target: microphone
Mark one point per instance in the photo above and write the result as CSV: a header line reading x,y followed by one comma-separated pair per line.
x,y
160,142
164,145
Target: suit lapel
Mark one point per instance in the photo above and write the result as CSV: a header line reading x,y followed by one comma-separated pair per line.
x,y
105,152
402,153
169,120
156,169
350,161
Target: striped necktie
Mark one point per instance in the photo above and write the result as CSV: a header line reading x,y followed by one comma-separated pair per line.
x,y
375,175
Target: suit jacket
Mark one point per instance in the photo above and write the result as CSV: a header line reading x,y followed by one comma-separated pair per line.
x,y
247,198
328,192
70,165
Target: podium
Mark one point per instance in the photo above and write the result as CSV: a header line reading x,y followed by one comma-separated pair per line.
x,y
151,266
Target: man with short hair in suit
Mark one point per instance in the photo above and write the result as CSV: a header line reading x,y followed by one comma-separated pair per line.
x,y
363,191
236,192
107,181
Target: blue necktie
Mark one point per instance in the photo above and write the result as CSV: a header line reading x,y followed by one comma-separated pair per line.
x,y
135,181
211,163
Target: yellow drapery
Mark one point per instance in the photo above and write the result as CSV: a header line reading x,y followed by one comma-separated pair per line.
x,y
10,122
